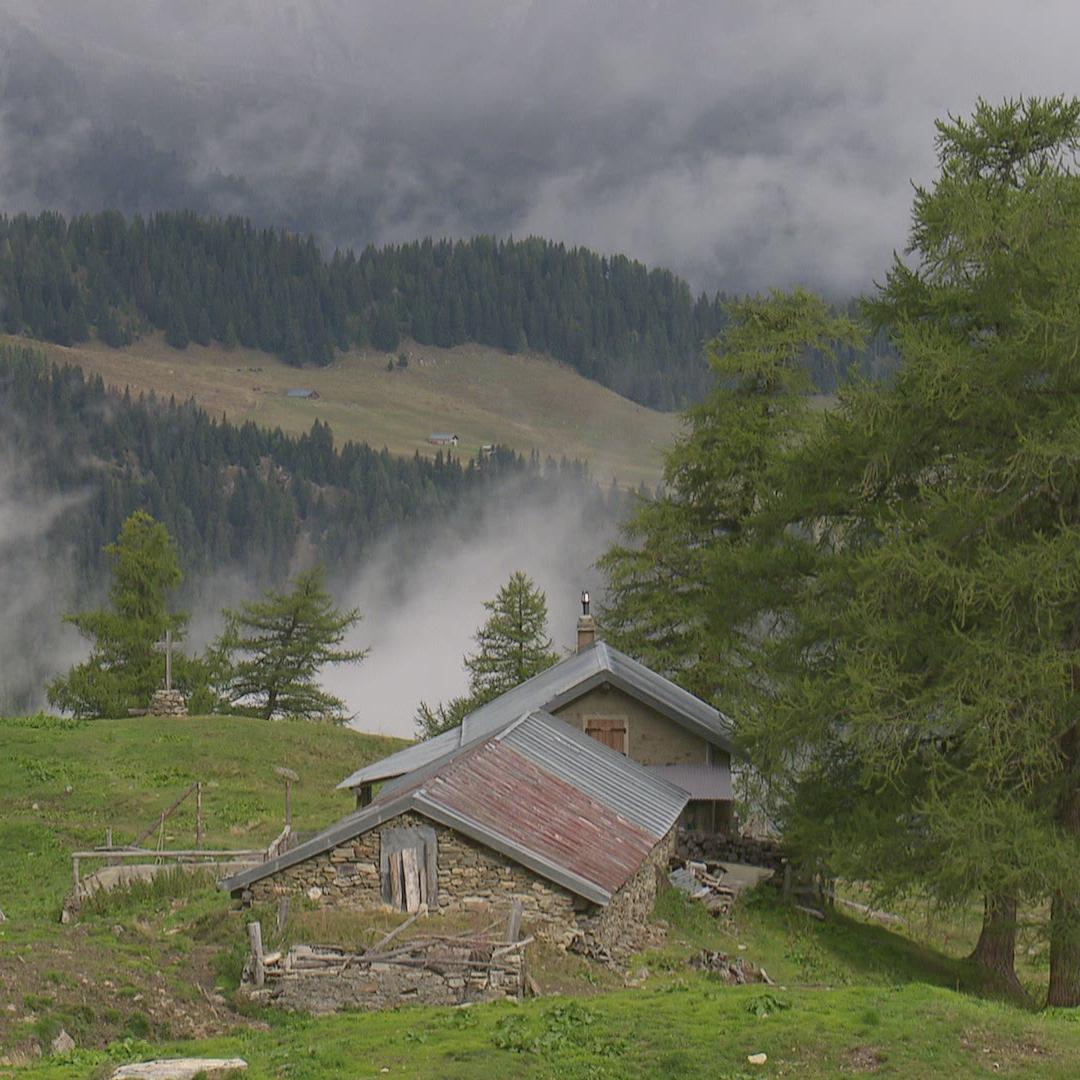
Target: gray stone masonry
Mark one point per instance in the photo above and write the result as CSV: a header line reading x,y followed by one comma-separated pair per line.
x,y
372,986
168,703
475,878
471,877
722,847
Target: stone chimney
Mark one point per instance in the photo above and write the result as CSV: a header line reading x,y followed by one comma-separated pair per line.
x,y
586,625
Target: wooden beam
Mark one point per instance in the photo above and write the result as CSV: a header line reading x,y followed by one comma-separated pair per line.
x,y
255,937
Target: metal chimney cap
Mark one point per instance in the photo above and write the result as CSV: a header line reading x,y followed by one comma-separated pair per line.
x,y
584,602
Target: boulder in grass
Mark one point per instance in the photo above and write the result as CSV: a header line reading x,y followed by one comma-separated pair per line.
x,y
179,1068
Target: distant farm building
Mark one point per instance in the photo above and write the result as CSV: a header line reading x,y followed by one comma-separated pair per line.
x,y
442,438
302,392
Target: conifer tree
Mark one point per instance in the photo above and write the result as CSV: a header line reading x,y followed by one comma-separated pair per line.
x,y
513,644
123,669
933,730
272,651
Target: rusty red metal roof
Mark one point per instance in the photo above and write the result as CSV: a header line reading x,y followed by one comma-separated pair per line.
x,y
532,810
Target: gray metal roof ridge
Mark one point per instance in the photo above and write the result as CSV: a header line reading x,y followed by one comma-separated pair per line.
x,y
551,689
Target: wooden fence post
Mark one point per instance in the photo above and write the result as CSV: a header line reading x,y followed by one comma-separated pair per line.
x,y
255,937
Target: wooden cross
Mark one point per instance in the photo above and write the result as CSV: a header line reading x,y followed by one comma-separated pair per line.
x,y
166,647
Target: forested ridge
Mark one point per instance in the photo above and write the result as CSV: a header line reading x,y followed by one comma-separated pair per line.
x,y
232,496
640,332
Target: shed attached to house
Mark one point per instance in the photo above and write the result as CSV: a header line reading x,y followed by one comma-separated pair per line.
x,y
536,812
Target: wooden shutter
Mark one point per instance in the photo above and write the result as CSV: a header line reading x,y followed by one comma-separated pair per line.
x,y
611,731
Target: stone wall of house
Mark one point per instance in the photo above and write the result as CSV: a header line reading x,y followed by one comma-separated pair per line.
x,y
623,924
370,987
471,877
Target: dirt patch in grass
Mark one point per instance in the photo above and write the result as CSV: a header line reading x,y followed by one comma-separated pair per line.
x,y
998,1050
103,984
864,1059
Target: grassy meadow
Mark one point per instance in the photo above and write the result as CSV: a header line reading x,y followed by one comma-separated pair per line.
x,y
527,401
152,972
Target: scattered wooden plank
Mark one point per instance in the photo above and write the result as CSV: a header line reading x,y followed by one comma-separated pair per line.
x,y
386,939
812,912
512,947
869,912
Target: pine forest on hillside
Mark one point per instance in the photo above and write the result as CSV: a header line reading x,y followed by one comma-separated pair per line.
x,y
640,332
231,496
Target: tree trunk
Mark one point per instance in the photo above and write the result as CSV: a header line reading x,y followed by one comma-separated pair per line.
x,y
1064,952
995,951
1065,908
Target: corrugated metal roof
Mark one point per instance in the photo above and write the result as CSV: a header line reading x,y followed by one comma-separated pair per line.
x,y
536,812
558,686
598,771
698,781
585,824
405,761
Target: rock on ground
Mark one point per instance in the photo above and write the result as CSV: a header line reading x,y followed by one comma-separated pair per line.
x,y
63,1043
178,1068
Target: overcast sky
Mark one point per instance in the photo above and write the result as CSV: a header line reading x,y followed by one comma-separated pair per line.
x,y
744,145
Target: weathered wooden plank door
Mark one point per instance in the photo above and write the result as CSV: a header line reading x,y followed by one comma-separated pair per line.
x,y
409,868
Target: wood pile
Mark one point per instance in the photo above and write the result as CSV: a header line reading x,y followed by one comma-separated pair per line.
x,y
734,971
704,882
432,953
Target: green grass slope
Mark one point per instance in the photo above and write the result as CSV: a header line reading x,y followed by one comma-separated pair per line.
x,y
528,401
65,782
151,973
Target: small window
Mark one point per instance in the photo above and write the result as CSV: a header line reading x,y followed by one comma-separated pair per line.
x,y
611,731
409,868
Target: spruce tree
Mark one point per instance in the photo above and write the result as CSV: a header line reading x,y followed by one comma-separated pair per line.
x,y
272,651
513,644
123,669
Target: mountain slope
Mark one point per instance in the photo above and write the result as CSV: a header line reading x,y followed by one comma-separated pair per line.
x,y
481,394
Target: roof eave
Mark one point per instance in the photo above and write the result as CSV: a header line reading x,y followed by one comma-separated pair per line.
x,y
370,818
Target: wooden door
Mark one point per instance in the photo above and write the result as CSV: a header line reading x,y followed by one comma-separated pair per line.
x,y
409,868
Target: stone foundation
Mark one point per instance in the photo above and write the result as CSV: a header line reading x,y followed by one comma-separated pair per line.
x,y
374,986
719,847
168,703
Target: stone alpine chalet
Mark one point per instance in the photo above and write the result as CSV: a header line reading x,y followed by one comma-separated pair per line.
x,y
563,794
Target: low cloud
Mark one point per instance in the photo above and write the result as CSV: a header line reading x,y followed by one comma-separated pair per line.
x,y
743,145
35,591
423,604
